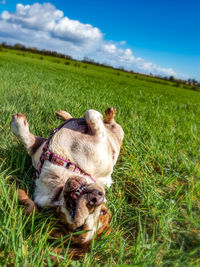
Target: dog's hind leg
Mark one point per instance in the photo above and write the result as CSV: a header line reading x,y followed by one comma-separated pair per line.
x,y
63,115
20,127
95,123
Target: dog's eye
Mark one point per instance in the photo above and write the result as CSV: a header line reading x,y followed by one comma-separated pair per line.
x,y
103,212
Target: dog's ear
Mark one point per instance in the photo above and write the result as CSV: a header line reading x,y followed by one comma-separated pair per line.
x,y
78,251
24,199
104,219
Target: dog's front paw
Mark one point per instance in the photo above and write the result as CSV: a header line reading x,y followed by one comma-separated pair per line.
x,y
110,114
29,206
63,115
18,123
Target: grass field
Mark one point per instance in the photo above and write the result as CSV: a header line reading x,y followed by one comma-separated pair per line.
x,y
155,199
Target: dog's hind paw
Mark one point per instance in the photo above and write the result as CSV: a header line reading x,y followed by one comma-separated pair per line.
x,y
110,114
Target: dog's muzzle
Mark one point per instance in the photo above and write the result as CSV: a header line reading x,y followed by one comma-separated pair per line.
x,y
75,188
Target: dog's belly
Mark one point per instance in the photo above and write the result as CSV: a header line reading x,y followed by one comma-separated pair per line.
x,y
78,125
88,152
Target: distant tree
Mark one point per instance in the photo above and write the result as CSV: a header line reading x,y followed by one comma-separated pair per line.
x,y
33,49
19,46
86,59
121,68
4,44
192,82
68,57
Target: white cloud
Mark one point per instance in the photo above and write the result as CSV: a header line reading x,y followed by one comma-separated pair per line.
x,y
37,17
117,57
44,26
45,18
122,42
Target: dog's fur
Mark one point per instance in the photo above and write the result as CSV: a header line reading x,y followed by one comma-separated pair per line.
x,y
90,143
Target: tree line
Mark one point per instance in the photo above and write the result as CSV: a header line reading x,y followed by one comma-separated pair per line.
x,y
18,46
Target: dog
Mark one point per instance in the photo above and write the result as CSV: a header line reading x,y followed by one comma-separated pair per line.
x,y
74,165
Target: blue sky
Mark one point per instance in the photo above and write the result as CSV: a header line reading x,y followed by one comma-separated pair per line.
x,y
147,36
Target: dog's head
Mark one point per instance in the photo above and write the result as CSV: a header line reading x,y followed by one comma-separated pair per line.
x,y
81,208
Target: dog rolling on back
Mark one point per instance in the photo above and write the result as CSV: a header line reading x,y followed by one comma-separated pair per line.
x,y
74,165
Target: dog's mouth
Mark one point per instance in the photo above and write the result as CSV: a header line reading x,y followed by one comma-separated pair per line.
x,y
72,198
79,197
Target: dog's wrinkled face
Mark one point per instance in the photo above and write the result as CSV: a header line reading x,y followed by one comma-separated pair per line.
x,y
81,209
91,227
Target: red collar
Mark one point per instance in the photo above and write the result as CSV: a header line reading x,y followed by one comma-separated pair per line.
x,y
48,155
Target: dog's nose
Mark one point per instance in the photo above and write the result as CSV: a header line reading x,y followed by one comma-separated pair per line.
x,y
95,197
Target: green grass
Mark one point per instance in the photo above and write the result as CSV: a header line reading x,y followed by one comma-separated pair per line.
x,y
155,197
